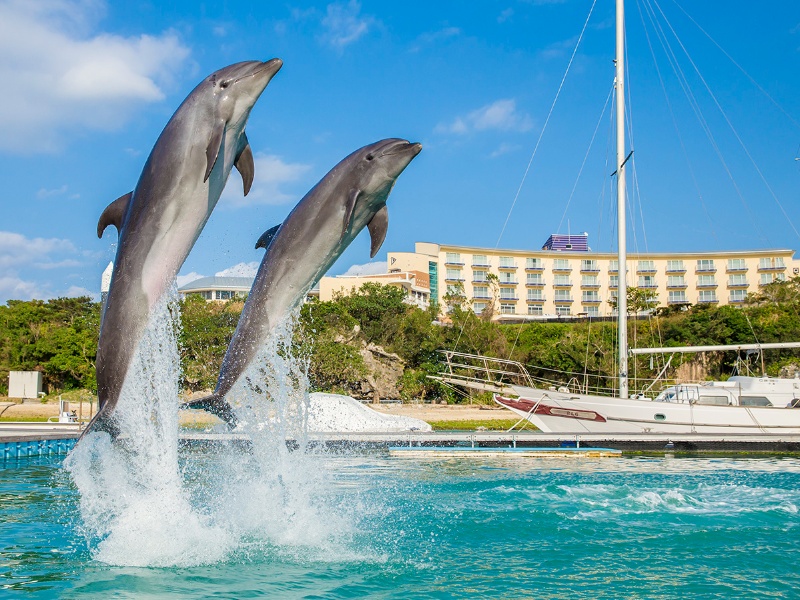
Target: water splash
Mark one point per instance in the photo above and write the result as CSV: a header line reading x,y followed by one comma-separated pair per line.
x,y
144,504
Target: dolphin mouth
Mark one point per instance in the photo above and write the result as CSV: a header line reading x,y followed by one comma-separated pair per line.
x,y
403,147
270,67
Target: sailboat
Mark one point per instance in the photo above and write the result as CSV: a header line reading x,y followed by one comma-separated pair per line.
x,y
740,405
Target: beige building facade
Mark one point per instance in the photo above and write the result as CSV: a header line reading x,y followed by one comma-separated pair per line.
x,y
546,283
416,283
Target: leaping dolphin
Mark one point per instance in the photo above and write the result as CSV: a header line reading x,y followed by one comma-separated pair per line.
x,y
300,251
161,219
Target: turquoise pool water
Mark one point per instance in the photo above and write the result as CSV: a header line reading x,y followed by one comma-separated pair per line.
x,y
390,527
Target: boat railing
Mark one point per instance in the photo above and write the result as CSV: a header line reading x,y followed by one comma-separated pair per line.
x,y
486,373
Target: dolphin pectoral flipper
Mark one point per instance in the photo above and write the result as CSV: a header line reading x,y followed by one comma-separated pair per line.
x,y
216,405
378,227
245,165
214,144
114,214
349,208
266,237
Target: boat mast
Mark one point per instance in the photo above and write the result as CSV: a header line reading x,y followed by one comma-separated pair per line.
x,y
622,285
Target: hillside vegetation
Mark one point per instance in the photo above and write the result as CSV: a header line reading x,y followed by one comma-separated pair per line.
x,y
338,338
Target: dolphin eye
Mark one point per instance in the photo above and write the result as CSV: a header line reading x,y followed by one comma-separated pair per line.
x,y
224,84
370,156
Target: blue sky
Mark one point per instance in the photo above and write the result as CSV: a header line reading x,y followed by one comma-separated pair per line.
x,y
89,85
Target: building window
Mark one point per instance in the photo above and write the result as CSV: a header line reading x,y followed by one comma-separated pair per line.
x,y
223,295
646,266
589,265
508,294
738,295
453,258
771,263
647,281
706,281
613,281
736,264
507,309
478,307
480,291
561,280
707,296
675,265
676,281
479,276
479,260
507,262
705,264
590,281
507,278
739,279
455,290
562,295
592,310
563,311
535,309
534,263
561,264
677,297
590,296
613,266
535,295
453,274
534,279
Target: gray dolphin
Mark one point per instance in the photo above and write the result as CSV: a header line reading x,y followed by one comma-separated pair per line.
x,y
161,219
300,251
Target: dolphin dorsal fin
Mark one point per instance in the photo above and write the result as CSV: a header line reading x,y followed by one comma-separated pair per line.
x,y
114,214
245,165
212,150
266,237
349,207
378,227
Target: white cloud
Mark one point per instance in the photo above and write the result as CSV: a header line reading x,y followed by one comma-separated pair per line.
x,y
501,115
75,291
45,193
370,268
67,76
188,278
344,24
271,174
503,148
20,254
433,37
240,270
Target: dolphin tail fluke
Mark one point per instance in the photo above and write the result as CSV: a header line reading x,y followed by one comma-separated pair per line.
x,y
216,405
101,422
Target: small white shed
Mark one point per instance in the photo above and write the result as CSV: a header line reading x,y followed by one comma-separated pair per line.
x,y
24,384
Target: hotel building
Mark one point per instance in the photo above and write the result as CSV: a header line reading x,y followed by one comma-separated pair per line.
x,y
566,278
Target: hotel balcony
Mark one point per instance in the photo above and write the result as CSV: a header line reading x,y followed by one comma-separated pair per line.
x,y
736,269
480,266
677,286
534,283
679,271
590,269
591,286
738,285
536,300
453,264
562,269
713,300
646,271
647,286
735,300
705,270
480,282
476,297
508,282
771,268
568,284
591,300
508,299
678,301
538,269
454,279
563,300
507,267
706,286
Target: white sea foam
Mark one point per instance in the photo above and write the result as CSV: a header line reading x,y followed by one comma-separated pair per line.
x,y
140,508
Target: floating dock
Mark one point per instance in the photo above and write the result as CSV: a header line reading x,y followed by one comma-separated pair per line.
x,y
44,439
482,452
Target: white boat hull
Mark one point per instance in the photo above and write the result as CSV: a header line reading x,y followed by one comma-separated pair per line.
x,y
558,412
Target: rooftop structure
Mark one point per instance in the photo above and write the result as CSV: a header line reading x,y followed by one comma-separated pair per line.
x,y
569,243
219,289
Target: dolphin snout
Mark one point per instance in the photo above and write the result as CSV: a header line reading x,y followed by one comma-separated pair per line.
x,y
403,147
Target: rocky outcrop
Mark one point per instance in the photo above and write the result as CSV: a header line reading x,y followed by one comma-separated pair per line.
x,y
384,372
